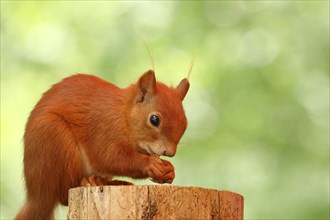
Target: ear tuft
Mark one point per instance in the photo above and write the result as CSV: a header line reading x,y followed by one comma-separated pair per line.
x,y
146,86
183,88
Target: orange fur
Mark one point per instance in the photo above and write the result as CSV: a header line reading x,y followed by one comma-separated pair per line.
x,y
84,125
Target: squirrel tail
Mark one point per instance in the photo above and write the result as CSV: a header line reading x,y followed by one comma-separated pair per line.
x,y
37,210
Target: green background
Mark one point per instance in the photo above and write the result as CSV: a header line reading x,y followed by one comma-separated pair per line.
x,y
258,105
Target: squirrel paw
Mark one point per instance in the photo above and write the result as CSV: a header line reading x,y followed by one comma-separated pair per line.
x,y
169,175
154,168
92,181
160,171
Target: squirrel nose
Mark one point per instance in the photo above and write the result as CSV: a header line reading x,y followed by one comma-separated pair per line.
x,y
169,153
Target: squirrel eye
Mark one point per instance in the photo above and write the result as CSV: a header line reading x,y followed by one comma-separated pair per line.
x,y
154,120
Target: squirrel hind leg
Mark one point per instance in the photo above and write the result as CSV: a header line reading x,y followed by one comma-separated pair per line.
x,y
52,163
37,210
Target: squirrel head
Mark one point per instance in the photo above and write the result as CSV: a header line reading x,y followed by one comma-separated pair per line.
x,y
158,120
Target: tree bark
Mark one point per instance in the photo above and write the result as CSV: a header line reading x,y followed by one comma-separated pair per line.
x,y
154,202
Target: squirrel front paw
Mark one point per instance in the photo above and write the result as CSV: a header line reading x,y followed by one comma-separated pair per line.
x,y
160,171
169,175
154,168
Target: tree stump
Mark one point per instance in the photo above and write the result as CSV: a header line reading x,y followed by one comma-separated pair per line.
x,y
154,202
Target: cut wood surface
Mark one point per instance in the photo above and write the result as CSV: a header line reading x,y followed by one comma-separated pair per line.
x,y
154,202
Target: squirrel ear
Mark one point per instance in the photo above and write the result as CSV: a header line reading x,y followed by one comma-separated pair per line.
x,y
183,88
146,86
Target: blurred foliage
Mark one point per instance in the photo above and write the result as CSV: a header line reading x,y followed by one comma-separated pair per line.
x,y
258,107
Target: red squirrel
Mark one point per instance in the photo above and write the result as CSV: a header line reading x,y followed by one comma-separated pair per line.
x,y
85,130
